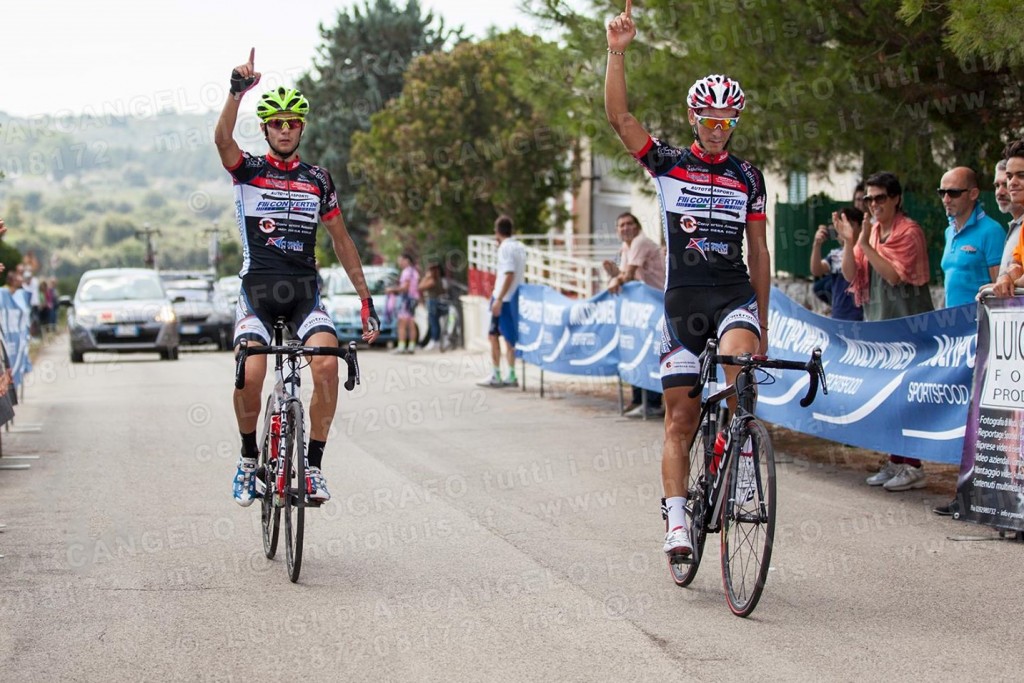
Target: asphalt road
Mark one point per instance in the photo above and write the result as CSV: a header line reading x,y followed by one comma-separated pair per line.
x,y
474,534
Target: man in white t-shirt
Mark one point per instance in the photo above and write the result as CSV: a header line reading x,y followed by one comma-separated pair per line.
x,y
639,259
505,302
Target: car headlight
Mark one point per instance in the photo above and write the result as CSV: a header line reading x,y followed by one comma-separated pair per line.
x,y
84,316
165,314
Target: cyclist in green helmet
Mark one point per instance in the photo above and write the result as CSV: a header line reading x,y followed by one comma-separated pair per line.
x,y
279,201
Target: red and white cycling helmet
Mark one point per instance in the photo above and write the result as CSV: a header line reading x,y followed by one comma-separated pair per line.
x,y
716,92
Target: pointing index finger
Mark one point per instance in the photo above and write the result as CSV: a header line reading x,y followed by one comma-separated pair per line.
x,y
629,8
252,56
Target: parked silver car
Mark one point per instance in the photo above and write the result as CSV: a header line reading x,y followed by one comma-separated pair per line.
x,y
124,310
344,305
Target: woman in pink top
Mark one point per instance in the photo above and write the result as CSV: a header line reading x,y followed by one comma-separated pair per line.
x,y
407,296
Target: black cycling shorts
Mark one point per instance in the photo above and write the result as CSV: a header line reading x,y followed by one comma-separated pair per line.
x,y
265,298
695,314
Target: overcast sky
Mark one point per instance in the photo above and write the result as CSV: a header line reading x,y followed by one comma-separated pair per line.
x,y
140,56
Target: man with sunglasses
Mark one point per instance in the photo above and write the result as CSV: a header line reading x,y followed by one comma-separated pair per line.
x,y
974,241
713,203
279,202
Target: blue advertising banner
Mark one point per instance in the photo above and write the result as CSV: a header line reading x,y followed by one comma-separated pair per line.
x,y
898,386
570,336
641,316
15,319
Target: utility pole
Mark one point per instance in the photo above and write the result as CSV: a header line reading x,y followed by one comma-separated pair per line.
x,y
147,234
213,254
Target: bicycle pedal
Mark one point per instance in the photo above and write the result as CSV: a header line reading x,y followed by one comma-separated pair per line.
x,y
313,503
681,559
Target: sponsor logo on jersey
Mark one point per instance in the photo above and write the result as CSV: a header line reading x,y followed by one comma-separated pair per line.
x,y
285,205
284,245
688,224
688,201
702,245
969,249
267,225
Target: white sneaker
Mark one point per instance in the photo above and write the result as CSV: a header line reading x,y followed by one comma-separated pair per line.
x,y
879,478
677,542
908,477
431,345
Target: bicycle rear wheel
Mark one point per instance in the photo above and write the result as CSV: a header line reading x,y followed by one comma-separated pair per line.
x,y
684,573
294,454
270,514
748,520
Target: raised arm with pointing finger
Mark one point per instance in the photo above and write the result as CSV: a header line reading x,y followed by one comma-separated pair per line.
x,y
244,78
621,31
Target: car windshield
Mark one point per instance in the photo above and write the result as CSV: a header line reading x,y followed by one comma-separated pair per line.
x,y
121,288
377,279
189,290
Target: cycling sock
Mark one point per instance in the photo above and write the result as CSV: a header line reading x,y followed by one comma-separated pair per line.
x,y
511,374
249,448
676,507
497,372
315,452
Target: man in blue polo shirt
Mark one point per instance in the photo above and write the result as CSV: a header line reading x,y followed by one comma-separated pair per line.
x,y
974,242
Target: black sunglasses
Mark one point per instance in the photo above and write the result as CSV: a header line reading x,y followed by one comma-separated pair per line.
x,y
872,198
952,193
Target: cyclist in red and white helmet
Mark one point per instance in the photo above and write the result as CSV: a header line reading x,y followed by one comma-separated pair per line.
x,y
712,212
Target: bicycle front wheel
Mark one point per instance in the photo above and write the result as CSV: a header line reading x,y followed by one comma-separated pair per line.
x,y
684,573
270,514
294,454
748,519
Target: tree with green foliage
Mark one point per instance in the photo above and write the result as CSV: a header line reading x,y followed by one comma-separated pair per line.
x,y
844,82
360,66
986,29
465,142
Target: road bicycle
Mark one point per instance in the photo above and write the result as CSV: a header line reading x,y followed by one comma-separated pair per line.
x,y
282,472
450,323
732,487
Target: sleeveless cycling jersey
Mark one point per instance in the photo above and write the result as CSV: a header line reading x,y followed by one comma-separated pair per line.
x,y
706,201
278,206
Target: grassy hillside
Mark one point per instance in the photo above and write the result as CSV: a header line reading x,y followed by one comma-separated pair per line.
x,y
78,189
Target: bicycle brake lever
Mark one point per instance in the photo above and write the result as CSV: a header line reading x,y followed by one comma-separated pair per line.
x,y
353,367
243,346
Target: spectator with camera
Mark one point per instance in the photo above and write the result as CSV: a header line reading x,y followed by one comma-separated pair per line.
x,y
831,266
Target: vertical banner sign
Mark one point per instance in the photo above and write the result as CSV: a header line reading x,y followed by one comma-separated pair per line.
x,y
990,489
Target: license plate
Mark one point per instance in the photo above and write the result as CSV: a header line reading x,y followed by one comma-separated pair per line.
x,y
126,331
190,329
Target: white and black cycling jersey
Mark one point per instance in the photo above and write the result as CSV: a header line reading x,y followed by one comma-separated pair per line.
x,y
706,202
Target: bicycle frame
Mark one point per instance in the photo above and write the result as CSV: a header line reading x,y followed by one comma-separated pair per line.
x,y
282,438
744,390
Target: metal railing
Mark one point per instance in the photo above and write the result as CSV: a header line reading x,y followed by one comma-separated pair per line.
x,y
571,265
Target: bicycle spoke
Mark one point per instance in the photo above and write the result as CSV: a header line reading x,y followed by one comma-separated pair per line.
x,y
748,525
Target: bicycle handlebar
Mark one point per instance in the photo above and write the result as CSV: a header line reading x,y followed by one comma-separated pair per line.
x,y
347,354
813,367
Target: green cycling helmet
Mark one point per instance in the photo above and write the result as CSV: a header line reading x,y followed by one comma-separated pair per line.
x,y
282,101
